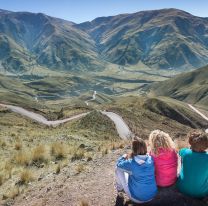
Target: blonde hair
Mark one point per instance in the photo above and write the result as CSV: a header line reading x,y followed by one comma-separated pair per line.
x,y
159,139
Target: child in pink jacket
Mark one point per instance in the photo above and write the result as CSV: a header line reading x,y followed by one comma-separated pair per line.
x,y
165,158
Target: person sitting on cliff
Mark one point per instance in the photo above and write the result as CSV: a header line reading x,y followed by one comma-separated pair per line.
x,y
165,158
135,173
193,179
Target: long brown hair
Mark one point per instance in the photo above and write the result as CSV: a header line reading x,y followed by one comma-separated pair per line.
x,y
139,147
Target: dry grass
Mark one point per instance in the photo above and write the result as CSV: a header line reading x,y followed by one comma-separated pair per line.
x,y
2,143
1,179
12,193
18,146
80,168
39,154
89,156
78,155
58,150
99,148
22,158
83,203
117,145
8,168
105,151
26,176
58,169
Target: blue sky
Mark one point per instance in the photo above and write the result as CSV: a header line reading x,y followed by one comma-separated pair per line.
x,y
85,10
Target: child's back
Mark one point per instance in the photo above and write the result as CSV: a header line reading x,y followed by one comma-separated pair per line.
x,y
165,158
165,167
141,182
193,179
135,173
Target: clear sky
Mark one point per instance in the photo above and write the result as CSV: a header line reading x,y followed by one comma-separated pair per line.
x,y
85,10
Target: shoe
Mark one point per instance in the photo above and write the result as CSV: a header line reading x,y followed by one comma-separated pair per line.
x,y
119,199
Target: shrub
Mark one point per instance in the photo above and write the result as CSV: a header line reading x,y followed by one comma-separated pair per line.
x,y
88,156
58,150
78,155
39,154
22,158
14,192
25,177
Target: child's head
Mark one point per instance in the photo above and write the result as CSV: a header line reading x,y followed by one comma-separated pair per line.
x,y
139,147
198,140
160,140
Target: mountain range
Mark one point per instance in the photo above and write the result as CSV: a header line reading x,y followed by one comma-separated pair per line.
x,y
167,39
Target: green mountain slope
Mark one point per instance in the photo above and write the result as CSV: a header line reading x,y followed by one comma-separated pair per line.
x,y
13,91
162,39
191,87
167,38
28,39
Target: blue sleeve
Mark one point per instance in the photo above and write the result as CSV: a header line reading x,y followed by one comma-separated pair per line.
x,y
125,164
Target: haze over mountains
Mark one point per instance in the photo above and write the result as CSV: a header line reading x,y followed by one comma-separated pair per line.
x,y
160,39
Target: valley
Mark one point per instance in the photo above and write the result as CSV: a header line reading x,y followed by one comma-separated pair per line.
x,y
72,95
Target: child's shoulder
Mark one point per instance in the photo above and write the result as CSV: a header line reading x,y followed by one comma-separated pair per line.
x,y
184,151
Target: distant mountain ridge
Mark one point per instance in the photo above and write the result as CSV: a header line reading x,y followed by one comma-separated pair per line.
x,y
161,39
167,38
27,38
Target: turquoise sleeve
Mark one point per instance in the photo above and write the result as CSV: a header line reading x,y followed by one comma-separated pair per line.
x,y
182,152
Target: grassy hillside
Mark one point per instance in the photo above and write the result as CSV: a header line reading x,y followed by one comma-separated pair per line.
x,y
167,38
13,91
190,87
31,152
146,114
29,40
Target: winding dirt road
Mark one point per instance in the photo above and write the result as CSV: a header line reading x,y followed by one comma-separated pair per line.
x,y
122,128
39,118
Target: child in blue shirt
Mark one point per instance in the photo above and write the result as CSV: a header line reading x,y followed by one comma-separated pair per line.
x,y
135,173
193,179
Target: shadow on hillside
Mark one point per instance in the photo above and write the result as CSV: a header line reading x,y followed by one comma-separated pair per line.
x,y
166,196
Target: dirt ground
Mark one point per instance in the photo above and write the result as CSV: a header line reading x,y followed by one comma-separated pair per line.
x,y
94,186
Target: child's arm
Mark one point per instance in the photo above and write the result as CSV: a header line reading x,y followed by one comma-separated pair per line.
x,y
124,163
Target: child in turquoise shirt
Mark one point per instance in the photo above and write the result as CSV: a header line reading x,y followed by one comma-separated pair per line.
x,y
193,179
